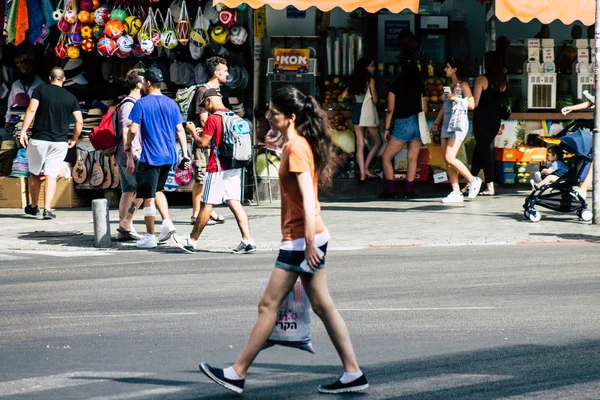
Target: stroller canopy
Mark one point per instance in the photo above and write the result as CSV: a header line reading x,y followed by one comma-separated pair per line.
x,y
578,142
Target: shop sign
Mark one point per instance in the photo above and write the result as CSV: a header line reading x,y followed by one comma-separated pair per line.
x,y
291,60
260,23
292,12
392,30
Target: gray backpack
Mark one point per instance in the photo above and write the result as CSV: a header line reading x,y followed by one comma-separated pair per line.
x,y
236,143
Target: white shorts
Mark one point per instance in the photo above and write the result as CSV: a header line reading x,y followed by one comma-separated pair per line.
x,y
222,186
46,156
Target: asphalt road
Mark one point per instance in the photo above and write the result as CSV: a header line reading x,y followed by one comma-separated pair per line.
x,y
464,322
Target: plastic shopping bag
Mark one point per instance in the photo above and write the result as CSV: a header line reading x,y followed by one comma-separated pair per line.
x,y
459,122
292,327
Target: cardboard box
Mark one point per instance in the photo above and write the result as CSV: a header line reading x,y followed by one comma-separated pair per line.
x,y
505,168
13,192
507,179
65,196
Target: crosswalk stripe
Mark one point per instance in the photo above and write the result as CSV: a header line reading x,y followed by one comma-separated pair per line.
x,y
143,394
8,257
59,381
435,383
578,390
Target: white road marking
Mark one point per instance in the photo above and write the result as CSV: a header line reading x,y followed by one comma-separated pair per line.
x,y
418,309
71,254
142,394
124,315
39,384
10,258
436,383
587,390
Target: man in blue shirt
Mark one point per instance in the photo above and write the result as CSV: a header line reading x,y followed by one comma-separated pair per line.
x,y
159,121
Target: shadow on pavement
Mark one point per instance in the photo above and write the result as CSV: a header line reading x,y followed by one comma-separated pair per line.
x,y
571,236
66,238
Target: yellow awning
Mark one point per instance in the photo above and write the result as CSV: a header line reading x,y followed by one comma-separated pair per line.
x,y
371,6
567,11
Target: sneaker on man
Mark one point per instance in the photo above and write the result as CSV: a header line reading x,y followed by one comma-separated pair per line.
x,y
357,385
47,214
167,229
147,242
32,210
453,197
475,187
217,376
244,248
185,243
537,176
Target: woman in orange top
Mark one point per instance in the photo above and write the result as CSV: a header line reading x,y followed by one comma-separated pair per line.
x,y
305,164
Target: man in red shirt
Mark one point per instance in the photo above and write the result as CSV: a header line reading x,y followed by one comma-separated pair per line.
x,y
222,183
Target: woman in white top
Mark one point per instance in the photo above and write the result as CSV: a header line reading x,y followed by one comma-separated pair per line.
x,y
364,114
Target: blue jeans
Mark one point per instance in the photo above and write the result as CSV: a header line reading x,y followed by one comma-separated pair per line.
x,y
407,129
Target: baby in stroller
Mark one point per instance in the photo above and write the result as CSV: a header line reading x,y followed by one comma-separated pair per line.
x,y
559,194
555,168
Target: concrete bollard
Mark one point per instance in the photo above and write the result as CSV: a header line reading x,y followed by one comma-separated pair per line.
x,y
102,237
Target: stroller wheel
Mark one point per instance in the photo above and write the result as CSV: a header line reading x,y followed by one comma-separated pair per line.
x,y
535,216
526,214
586,215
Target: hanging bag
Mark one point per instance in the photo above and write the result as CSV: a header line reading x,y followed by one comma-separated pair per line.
x,y
423,128
459,122
368,112
183,25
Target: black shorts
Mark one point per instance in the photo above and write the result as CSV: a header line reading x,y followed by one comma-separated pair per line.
x,y
151,179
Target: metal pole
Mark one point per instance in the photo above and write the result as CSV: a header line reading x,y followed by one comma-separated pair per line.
x,y
596,135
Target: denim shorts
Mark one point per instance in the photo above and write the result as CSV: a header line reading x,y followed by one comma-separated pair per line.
x,y
407,129
290,260
356,110
128,182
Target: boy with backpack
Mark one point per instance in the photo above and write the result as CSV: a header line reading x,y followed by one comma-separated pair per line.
x,y
230,150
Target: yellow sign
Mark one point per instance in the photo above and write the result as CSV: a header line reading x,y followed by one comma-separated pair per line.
x,y
291,60
260,23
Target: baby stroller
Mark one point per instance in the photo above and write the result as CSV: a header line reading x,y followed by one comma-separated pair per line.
x,y
559,195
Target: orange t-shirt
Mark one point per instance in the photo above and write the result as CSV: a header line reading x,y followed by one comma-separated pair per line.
x,y
297,157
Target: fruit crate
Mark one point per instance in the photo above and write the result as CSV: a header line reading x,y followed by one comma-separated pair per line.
x,y
507,154
531,154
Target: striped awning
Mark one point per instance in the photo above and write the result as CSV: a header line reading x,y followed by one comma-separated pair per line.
x,y
372,6
567,11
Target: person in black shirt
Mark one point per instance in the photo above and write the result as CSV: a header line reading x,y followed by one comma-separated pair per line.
x,y
51,105
411,51
405,101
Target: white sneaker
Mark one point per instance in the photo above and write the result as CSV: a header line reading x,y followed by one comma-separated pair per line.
x,y
537,177
533,184
185,243
167,229
475,187
453,197
147,242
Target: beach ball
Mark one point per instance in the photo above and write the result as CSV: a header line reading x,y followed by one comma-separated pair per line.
x,y
76,38
227,17
168,39
239,35
84,17
73,52
132,25
87,32
219,34
95,4
58,14
98,31
199,37
118,14
125,43
101,16
86,5
113,29
87,44
147,46
60,50
71,16
106,46
63,26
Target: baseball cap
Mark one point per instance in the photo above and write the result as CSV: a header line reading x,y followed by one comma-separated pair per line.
x,y
153,75
211,92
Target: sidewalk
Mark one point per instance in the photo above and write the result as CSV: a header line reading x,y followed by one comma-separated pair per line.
x,y
353,225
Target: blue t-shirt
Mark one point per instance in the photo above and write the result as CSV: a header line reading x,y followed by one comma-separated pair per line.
x,y
158,117
559,168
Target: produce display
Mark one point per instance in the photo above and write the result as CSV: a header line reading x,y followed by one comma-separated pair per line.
x,y
434,89
332,96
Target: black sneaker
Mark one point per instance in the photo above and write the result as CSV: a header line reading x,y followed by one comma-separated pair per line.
x,y
32,210
244,248
48,214
216,375
357,385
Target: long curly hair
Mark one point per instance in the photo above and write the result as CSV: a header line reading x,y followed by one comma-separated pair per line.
x,y
311,123
360,77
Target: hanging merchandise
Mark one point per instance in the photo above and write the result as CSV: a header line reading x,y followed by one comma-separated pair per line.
x,y
137,50
125,43
84,17
58,14
183,26
87,44
102,16
168,37
211,13
147,46
86,5
87,32
227,17
219,34
132,25
98,31
73,52
70,11
118,14
75,37
61,49
106,46
155,32
239,35
175,8
63,26
114,29
95,4
21,22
